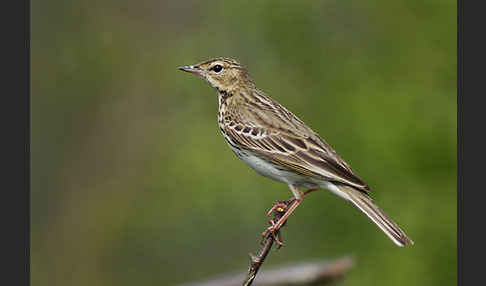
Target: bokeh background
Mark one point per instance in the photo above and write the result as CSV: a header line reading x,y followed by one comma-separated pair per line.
x,y
132,183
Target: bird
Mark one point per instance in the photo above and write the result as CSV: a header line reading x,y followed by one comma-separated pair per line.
x,y
279,145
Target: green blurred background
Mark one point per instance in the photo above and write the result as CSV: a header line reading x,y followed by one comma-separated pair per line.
x,y
132,183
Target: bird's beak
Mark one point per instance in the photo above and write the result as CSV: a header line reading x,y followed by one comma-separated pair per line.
x,y
192,69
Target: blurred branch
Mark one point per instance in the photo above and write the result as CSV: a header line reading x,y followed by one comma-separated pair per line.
x,y
320,272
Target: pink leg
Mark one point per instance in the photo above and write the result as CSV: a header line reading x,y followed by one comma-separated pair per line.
x,y
281,221
309,191
281,207
284,205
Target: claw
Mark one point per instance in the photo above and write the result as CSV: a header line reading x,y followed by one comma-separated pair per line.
x,y
281,210
264,235
269,229
279,240
277,236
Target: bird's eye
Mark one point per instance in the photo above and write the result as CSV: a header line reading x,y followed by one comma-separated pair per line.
x,y
217,68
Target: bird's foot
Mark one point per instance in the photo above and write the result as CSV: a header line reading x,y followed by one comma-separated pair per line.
x,y
275,232
279,209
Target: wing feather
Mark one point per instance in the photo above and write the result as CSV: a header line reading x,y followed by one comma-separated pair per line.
x,y
297,154
267,128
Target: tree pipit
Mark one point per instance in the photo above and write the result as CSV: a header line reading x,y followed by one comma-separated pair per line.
x,y
278,145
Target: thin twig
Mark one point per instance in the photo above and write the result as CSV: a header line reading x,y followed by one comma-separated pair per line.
x,y
310,273
257,261
306,273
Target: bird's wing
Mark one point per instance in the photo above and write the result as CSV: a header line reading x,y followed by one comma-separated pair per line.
x,y
275,133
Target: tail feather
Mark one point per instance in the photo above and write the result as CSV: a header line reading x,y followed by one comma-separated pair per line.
x,y
368,207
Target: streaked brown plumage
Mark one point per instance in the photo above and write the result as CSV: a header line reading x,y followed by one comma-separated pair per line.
x,y
278,145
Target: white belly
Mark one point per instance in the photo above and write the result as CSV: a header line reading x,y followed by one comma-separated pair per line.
x,y
271,170
263,167
268,169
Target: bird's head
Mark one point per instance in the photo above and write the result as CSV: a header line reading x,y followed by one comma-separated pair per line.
x,y
221,73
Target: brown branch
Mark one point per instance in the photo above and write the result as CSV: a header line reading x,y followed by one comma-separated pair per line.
x,y
319,272
311,273
257,261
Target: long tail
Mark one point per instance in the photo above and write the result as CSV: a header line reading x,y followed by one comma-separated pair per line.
x,y
368,207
